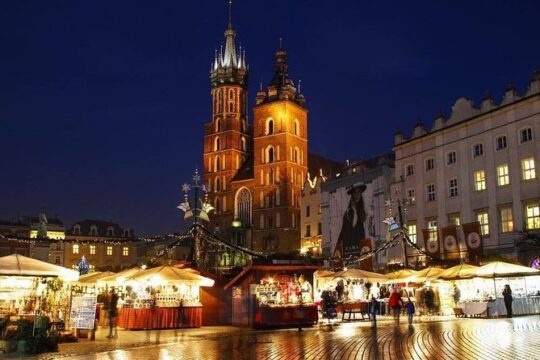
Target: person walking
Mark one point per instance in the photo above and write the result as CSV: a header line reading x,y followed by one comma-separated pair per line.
x,y
410,309
373,308
113,303
395,303
507,295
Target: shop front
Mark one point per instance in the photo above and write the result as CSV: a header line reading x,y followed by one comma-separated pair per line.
x,y
274,296
164,297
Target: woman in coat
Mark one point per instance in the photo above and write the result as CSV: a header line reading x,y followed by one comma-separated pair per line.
x,y
507,295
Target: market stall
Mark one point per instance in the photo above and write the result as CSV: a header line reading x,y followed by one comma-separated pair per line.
x,y
273,295
482,295
164,297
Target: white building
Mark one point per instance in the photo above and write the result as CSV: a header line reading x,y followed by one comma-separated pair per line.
x,y
480,164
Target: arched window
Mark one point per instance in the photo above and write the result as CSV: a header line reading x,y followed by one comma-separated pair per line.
x,y
218,184
218,125
217,144
243,204
218,163
217,205
270,154
269,126
296,155
296,127
243,144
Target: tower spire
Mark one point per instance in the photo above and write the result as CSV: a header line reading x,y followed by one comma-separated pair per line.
x,y
230,59
230,15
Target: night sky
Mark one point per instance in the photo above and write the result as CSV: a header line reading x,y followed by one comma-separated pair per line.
x,y
102,103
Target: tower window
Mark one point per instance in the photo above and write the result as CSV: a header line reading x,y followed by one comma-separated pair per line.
x,y
243,144
269,154
218,125
269,126
296,127
218,164
218,184
217,144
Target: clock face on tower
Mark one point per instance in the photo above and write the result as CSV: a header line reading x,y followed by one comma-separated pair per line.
x,y
473,240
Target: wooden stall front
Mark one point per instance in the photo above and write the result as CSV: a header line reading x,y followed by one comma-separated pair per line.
x,y
288,301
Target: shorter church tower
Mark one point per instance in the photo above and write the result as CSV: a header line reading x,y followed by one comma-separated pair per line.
x,y
279,162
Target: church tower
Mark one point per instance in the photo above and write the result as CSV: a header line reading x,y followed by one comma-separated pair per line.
x,y
227,137
279,161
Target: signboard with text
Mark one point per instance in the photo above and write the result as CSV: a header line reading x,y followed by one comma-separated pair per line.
x,y
83,311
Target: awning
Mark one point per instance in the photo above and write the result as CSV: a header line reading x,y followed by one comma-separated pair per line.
x,y
93,278
502,269
168,273
20,265
430,273
400,275
461,271
358,274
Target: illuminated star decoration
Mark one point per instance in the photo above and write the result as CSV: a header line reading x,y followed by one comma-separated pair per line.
x,y
186,187
388,203
392,223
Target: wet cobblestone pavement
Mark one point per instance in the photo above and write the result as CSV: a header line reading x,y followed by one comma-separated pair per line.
x,y
517,338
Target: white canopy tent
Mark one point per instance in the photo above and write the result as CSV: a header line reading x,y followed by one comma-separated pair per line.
x,y
19,265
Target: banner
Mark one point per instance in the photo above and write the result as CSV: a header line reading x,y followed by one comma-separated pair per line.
x,y
450,242
83,312
365,247
432,246
473,239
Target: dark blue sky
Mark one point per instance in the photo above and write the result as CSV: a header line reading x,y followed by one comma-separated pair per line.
x,y
102,103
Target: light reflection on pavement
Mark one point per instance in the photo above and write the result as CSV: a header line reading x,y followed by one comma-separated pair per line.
x,y
517,338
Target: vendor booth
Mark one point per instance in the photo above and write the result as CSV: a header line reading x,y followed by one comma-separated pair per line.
x,y
273,295
164,297
481,294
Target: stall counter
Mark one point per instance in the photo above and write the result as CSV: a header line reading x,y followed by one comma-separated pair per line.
x,y
266,316
160,318
495,308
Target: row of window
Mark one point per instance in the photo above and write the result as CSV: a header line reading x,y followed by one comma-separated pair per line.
x,y
268,221
94,231
218,147
269,127
308,210
501,142
108,250
270,155
528,172
219,99
506,221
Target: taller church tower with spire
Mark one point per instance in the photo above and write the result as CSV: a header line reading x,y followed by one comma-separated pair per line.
x,y
255,173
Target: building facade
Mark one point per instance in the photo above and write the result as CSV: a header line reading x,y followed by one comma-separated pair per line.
x,y
374,178
105,245
480,164
255,173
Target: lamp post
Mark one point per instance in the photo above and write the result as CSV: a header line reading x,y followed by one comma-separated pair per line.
x,y
199,211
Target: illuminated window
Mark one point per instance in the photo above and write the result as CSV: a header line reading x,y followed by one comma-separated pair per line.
x,y
91,267
453,219
483,219
526,135
431,192
218,163
92,249
527,165
243,144
269,126
452,188
451,158
430,164
217,144
507,221
501,143
410,196
218,125
411,230
296,127
503,175
76,248
478,150
296,155
125,251
218,184
410,170
432,228
479,180
532,216
269,154
109,250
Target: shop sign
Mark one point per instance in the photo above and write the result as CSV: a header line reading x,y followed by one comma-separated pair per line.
x,y
83,311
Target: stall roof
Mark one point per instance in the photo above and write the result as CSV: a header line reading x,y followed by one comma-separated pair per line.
x,y
20,265
503,269
358,274
270,268
171,273
400,275
92,278
425,274
461,271
121,276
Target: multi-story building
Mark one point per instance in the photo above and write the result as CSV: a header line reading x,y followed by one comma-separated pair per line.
x,y
255,172
106,245
477,165
341,212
